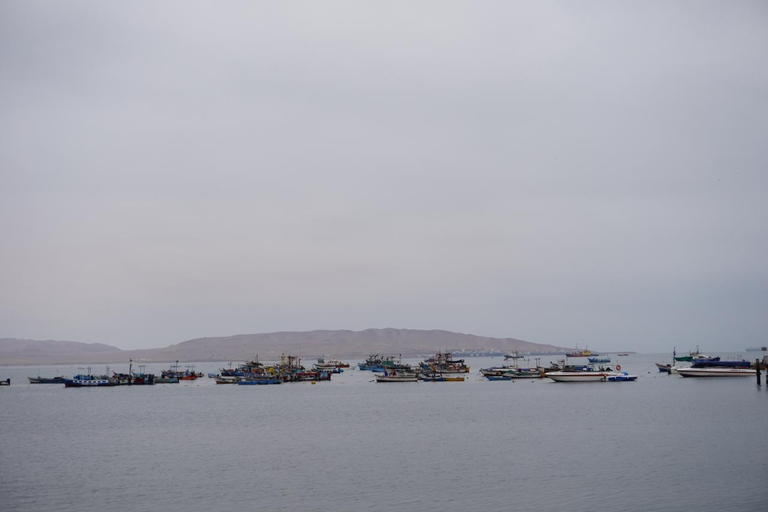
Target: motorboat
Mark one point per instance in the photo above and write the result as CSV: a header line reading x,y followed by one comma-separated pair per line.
x,y
621,377
716,371
397,376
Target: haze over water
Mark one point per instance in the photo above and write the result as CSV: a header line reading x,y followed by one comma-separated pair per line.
x,y
661,443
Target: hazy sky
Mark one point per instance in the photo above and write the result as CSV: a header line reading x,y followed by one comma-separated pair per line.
x,y
589,173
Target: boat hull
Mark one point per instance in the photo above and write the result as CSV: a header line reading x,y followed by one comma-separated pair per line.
x,y
622,378
716,372
577,376
95,383
47,380
396,378
259,382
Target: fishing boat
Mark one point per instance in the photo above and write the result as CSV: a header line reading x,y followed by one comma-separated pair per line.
x,y
578,376
332,368
140,378
696,356
524,373
259,381
377,363
599,359
439,377
623,354
669,367
228,379
581,353
335,363
443,362
174,374
47,380
90,381
6,382
397,376
496,371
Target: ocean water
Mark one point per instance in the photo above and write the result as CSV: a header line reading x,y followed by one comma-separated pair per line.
x,y
661,443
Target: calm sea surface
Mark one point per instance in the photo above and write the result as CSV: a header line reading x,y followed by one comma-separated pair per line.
x,y
661,443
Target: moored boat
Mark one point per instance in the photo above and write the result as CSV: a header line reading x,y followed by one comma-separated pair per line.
x,y
331,363
259,381
581,353
621,377
397,376
599,359
443,362
439,377
589,376
695,356
525,373
715,371
90,381
47,380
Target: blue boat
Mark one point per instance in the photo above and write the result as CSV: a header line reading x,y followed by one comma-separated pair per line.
x,y
622,377
712,363
599,359
258,382
90,381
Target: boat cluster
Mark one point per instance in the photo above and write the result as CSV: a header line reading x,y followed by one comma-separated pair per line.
x,y
703,365
559,372
439,368
289,369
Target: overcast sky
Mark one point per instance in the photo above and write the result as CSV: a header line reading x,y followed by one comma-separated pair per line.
x,y
590,173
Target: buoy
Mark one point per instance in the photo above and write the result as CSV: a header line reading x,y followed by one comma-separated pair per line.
x,y
618,367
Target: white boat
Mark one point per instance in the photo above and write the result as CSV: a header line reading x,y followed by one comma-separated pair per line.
x,y
591,376
395,376
716,372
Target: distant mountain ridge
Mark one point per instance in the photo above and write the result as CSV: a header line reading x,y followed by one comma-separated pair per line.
x,y
18,351
267,346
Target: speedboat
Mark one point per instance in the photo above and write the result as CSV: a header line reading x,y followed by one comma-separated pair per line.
x,y
622,377
715,371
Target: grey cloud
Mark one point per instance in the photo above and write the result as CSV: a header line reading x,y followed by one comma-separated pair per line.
x,y
560,172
